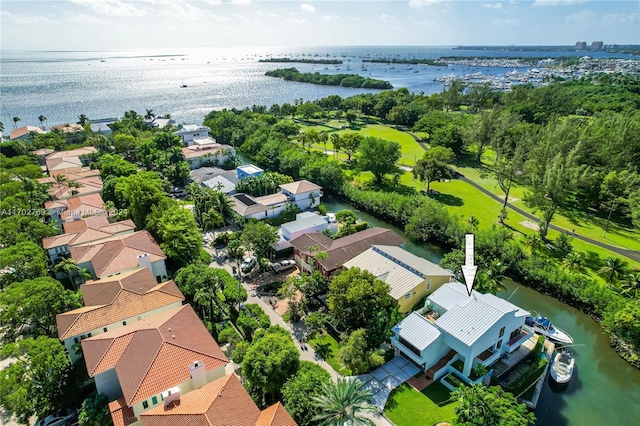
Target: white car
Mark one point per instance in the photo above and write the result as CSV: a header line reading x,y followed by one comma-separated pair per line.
x,y
284,265
248,264
58,419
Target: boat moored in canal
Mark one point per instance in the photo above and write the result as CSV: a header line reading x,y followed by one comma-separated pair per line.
x,y
543,325
562,367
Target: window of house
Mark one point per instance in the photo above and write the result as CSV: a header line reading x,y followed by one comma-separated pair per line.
x,y
124,323
408,295
154,400
499,345
145,404
408,346
501,332
75,340
104,330
89,335
429,284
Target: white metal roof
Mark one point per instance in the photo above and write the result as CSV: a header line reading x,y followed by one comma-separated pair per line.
x,y
222,183
250,169
303,223
188,128
451,294
418,331
470,321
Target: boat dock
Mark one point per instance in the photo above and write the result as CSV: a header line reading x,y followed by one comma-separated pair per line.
x,y
549,348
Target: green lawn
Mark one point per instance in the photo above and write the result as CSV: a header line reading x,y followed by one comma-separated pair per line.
x,y
327,347
408,407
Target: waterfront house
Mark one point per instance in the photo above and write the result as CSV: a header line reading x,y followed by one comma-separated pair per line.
x,y
223,402
143,363
263,207
305,223
101,126
191,132
410,278
339,251
24,132
306,195
91,229
476,329
113,303
120,254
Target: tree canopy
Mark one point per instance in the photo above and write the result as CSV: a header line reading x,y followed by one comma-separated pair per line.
x,y
379,157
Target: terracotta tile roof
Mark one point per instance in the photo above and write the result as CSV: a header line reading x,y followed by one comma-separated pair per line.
x,y
78,152
276,415
223,402
88,230
90,180
43,151
24,130
300,187
93,222
158,354
195,151
346,248
117,253
68,128
63,163
113,300
121,414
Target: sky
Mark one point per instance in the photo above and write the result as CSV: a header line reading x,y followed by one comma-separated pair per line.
x,y
131,24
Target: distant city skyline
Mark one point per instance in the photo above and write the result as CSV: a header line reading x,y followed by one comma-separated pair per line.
x,y
131,24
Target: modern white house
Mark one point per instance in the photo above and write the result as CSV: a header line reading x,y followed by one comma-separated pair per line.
x,y
248,170
101,126
190,132
305,223
410,277
306,195
476,329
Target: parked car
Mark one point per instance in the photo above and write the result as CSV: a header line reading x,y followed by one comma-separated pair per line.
x,y
59,419
248,264
284,265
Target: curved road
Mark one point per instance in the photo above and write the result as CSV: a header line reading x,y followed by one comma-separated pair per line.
x,y
631,254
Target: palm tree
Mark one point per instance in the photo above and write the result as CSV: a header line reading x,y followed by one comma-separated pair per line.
x,y
15,122
1,127
573,262
473,221
631,285
335,141
343,402
149,116
613,269
474,404
67,267
324,138
42,119
74,186
60,179
83,119
491,279
84,275
534,242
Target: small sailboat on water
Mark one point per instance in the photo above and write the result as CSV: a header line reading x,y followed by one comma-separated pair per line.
x,y
183,85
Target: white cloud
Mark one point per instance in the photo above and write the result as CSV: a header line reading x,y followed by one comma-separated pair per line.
x,y
83,18
507,22
27,19
422,3
619,18
330,18
584,17
542,3
493,5
213,2
297,21
111,7
241,2
386,18
307,8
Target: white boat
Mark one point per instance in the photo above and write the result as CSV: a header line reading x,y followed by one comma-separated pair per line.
x,y
544,326
562,367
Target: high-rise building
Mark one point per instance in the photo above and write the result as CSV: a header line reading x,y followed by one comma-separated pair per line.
x,y
581,45
597,45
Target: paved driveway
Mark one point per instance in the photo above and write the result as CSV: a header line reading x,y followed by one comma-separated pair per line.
x,y
383,380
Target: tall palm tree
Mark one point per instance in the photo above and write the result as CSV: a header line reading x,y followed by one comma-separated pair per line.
x,y
15,122
473,221
474,405
60,179
573,262
1,127
631,285
150,116
534,242
613,269
42,119
83,119
324,138
335,141
491,279
68,267
343,402
84,275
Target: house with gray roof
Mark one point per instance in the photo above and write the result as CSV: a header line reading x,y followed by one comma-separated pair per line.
x,y
476,329
410,277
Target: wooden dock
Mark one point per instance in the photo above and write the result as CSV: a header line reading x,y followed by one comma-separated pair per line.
x,y
549,347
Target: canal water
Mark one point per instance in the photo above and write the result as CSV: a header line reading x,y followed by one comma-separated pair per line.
x,y
604,389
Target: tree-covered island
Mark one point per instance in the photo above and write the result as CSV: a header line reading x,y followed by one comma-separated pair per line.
x,y
344,80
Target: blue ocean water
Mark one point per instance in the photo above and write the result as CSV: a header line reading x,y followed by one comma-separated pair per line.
x,y
62,85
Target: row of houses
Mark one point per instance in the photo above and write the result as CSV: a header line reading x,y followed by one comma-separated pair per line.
x,y
145,349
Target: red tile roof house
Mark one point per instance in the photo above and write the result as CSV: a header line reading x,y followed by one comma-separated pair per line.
x,y
76,208
91,229
73,158
208,154
223,402
341,250
113,303
121,254
89,180
23,132
306,195
143,363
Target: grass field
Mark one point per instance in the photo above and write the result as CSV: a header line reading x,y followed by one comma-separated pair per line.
x,y
327,347
408,407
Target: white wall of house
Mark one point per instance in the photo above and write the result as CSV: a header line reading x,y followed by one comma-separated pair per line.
x,y
69,342
310,230
184,388
304,200
56,252
158,268
210,158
